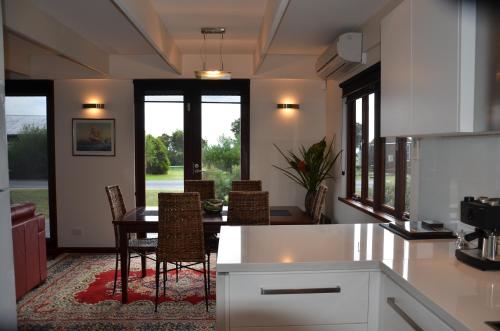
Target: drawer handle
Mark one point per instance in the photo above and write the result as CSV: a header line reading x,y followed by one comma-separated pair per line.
x,y
264,291
391,301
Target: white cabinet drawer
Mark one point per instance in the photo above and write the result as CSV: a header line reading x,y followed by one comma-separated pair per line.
x,y
339,327
392,315
295,299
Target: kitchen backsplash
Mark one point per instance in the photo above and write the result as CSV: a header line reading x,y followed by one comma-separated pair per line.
x,y
453,167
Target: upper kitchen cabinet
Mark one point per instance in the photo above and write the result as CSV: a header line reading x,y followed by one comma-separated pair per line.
x,y
435,68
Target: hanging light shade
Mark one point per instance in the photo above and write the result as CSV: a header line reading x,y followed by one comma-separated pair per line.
x,y
215,74
212,74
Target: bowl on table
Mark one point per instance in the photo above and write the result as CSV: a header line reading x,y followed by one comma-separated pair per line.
x,y
213,206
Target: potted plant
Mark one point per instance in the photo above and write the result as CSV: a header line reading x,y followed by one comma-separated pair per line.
x,y
310,167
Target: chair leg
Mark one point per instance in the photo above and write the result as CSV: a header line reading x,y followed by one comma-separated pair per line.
x,y
116,272
129,261
176,272
164,278
157,279
205,284
208,272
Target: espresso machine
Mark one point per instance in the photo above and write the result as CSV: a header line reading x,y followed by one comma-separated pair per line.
x,y
484,215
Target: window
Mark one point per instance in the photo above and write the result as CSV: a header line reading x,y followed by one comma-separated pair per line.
x,y
378,169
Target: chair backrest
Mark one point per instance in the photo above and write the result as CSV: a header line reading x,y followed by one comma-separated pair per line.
x,y
180,228
116,203
206,188
246,185
248,208
117,207
319,203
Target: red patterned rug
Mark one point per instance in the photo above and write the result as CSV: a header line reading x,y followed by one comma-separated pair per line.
x,y
78,296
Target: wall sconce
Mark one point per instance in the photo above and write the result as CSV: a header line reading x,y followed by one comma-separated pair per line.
x,y
288,106
93,106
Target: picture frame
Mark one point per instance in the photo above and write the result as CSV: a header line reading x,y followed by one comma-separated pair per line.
x,y
93,137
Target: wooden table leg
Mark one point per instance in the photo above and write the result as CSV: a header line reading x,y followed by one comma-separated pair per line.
x,y
124,262
143,265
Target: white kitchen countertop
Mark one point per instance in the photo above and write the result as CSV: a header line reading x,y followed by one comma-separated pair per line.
x,y
462,296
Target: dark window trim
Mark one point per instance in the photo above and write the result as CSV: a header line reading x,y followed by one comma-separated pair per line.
x,y
360,86
43,88
192,89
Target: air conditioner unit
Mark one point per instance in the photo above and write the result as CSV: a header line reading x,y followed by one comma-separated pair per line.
x,y
341,57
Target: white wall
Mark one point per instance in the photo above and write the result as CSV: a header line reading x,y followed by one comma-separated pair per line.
x,y
454,167
84,218
288,130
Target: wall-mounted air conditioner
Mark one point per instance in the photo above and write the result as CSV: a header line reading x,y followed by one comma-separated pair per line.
x,y
341,57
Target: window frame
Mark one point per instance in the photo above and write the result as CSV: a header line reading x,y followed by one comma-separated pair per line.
x,y
361,86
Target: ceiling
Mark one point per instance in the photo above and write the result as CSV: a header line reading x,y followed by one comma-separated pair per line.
x,y
305,28
98,21
241,18
310,26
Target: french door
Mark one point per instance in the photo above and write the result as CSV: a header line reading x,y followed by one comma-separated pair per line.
x,y
190,129
29,118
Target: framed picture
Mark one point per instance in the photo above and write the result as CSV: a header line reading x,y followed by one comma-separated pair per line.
x,y
93,137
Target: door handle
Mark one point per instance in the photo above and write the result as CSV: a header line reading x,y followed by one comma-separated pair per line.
x,y
317,290
196,168
391,301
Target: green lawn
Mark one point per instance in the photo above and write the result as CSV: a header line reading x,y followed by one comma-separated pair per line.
x,y
40,197
152,197
174,173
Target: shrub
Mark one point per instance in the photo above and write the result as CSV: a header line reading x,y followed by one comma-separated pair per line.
x,y
224,155
157,162
222,180
28,154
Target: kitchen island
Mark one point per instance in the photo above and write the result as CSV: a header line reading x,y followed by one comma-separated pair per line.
x,y
347,277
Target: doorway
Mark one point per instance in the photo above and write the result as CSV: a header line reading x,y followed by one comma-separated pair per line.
x,y
29,118
190,129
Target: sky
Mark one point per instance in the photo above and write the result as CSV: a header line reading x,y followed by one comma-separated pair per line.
x,y
25,106
167,117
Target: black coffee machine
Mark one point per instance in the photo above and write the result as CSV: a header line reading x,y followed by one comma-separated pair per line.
x,y
484,214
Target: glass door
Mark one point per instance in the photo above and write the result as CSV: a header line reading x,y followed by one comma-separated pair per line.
x,y
30,137
221,141
164,145
190,129
26,123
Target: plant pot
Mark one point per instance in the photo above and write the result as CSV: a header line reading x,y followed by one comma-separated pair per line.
x,y
308,202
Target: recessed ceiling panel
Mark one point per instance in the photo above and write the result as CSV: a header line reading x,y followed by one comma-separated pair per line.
x,y
241,18
308,27
100,22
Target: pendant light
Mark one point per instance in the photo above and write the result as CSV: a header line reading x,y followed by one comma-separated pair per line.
x,y
215,74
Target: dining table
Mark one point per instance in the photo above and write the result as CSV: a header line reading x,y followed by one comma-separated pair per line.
x,y
144,222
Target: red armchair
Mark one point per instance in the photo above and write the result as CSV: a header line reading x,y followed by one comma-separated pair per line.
x,y
30,258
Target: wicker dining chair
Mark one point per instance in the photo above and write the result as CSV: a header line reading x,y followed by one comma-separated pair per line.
x,y
206,188
141,247
180,236
319,201
250,208
246,185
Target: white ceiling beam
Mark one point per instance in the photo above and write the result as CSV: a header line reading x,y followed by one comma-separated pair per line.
x,y
275,11
149,24
25,19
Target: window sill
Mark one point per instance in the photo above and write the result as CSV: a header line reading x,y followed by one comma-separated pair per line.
x,y
380,215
